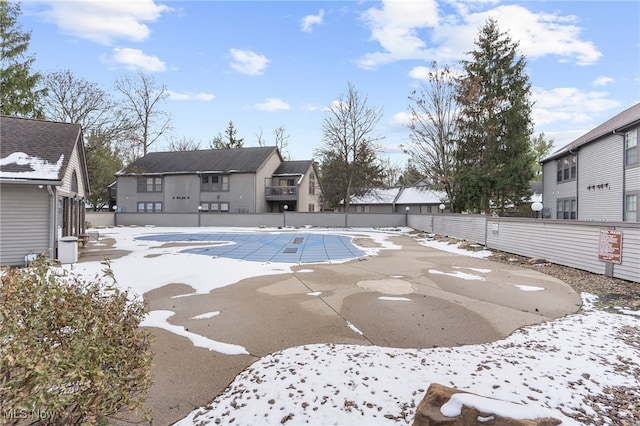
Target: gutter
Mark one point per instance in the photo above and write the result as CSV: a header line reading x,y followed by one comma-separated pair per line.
x,y
52,222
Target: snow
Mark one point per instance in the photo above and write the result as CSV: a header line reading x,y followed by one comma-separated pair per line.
x,y
159,319
542,370
40,168
549,368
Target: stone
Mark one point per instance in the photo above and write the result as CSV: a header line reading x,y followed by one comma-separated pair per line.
x,y
429,412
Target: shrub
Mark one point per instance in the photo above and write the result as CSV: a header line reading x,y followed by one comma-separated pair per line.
x,y
71,350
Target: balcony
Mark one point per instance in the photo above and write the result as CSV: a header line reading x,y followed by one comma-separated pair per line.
x,y
281,193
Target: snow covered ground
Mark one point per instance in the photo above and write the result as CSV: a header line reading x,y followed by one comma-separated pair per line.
x,y
543,370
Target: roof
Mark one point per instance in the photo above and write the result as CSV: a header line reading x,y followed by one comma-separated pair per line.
x,y
377,196
293,168
36,149
236,160
421,195
621,121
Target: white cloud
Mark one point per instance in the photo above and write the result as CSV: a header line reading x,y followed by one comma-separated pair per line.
x,y
273,104
603,81
248,62
105,21
188,96
420,73
418,30
309,21
400,119
135,60
569,105
395,26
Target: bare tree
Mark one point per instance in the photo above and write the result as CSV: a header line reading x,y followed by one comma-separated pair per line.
x,y
183,144
142,102
71,99
259,138
349,155
433,129
282,140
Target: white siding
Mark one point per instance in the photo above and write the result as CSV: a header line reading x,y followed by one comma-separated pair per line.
x,y
601,165
24,222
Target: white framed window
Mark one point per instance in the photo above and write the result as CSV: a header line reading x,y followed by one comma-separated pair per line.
x,y
567,168
631,208
631,148
150,184
214,183
567,208
149,207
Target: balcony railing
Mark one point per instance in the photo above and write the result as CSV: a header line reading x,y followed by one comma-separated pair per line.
x,y
282,193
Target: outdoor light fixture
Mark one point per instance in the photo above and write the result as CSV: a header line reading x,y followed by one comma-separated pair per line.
x,y
442,207
406,216
536,207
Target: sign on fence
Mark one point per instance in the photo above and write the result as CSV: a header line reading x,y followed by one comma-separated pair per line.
x,y
610,247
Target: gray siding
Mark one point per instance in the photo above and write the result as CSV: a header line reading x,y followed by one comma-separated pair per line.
x,y
266,171
74,165
632,179
601,164
463,226
24,222
553,191
179,194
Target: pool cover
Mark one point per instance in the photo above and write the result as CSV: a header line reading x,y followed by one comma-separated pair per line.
x,y
268,247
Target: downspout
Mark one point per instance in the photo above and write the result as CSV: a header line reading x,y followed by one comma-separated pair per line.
x,y
624,170
52,222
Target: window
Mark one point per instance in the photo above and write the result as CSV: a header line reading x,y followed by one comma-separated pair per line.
x,y
631,147
149,207
150,184
567,209
312,207
214,183
631,208
567,168
215,207
312,183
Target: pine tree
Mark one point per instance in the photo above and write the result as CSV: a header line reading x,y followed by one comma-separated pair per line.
x,y
494,154
18,94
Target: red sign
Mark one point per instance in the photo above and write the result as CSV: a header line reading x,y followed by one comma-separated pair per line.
x,y
610,247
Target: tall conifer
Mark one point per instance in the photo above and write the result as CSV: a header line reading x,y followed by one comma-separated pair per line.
x,y
494,154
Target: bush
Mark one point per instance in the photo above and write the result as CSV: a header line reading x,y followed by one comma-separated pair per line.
x,y
71,351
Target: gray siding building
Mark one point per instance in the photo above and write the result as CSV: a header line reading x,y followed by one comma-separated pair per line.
x,y
221,181
597,176
43,185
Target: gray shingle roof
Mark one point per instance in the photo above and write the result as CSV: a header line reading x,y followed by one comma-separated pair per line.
x,y
237,160
625,119
46,147
293,168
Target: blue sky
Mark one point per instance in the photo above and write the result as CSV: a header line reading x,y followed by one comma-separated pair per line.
x,y
266,64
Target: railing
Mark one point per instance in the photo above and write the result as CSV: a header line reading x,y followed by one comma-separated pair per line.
x,y
281,192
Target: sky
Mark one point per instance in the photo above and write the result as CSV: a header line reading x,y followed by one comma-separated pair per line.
x,y
267,64
547,369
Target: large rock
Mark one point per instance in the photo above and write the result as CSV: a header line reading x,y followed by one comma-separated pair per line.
x,y
464,408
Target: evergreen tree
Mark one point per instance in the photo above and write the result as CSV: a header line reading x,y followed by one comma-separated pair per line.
x,y
227,141
18,94
102,164
494,154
